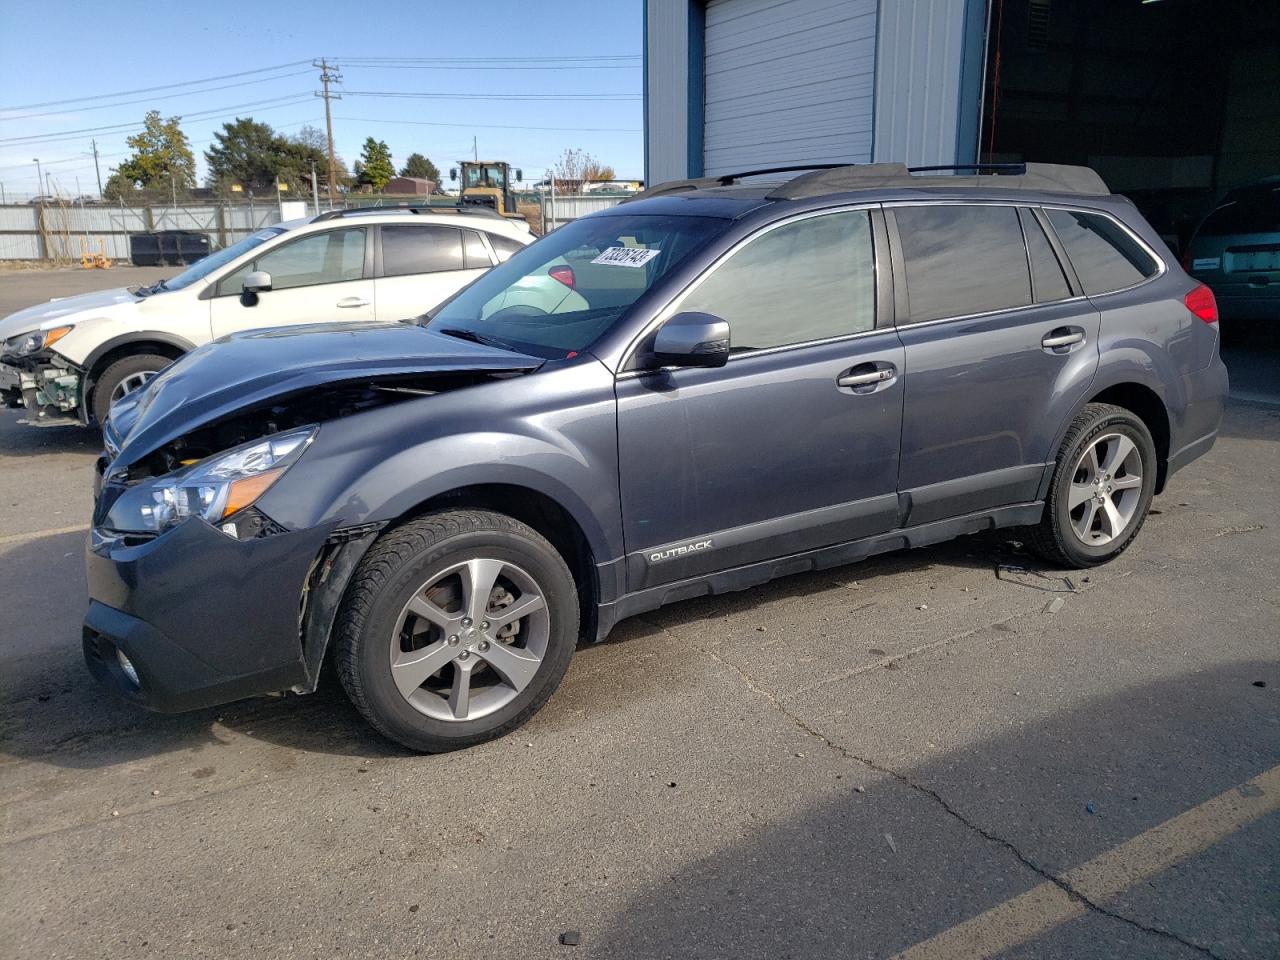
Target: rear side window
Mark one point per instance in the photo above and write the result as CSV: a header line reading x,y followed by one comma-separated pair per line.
x,y
808,280
1048,282
427,249
504,247
1105,257
962,260
476,255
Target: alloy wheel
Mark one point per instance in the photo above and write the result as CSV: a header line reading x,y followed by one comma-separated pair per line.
x,y
131,383
470,639
1105,490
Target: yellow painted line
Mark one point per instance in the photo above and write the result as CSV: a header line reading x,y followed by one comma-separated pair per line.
x,y
1046,906
40,534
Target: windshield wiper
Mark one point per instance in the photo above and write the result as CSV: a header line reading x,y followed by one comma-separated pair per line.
x,y
474,337
148,291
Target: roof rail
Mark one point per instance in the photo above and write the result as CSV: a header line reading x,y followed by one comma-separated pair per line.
x,y
724,180
470,210
1052,177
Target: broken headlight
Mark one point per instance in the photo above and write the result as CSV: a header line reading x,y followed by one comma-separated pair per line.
x,y
213,489
35,341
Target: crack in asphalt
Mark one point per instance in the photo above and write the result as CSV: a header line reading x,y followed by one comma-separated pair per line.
x,y
937,798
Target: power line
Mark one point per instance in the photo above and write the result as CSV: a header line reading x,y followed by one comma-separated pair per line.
x,y
164,86
167,96
288,100
493,126
491,96
566,59
463,66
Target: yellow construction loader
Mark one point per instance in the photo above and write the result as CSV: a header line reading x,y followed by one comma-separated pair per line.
x,y
487,183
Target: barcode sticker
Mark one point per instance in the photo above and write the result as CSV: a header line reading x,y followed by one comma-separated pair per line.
x,y
626,256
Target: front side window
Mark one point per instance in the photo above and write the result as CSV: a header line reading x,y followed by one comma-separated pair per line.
x,y
563,292
333,256
1103,254
809,280
428,249
962,259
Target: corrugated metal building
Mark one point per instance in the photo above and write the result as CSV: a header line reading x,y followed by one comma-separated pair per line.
x,y
740,84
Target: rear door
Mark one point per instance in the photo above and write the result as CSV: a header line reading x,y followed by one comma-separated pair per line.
x,y
793,444
419,266
317,278
993,360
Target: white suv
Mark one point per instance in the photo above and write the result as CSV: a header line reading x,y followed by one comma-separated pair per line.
x,y
68,360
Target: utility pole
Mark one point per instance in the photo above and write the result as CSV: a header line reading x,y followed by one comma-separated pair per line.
x,y
315,190
95,167
475,150
329,75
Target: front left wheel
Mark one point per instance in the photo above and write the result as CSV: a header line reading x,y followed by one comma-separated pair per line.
x,y
457,627
122,378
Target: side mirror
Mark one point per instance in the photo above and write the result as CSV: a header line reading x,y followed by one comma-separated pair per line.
x,y
453,174
254,283
692,340
519,174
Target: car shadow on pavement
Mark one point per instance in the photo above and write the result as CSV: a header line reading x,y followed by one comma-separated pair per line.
x,y
899,851
21,440
51,709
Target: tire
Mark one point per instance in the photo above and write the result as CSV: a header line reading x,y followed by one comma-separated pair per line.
x,y
120,373
427,564
1100,429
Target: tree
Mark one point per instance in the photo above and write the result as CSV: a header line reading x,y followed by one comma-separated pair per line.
x,y
375,167
161,163
245,152
419,166
576,168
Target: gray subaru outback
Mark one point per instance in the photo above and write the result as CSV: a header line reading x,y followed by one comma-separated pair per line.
x,y
709,386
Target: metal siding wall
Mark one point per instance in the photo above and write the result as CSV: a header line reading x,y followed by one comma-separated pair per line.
x,y
918,79
667,90
788,82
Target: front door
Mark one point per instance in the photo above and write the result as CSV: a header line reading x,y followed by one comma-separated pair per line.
x,y
793,444
992,362
318,278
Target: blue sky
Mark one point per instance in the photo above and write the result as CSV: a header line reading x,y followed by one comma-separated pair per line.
x,y
71,50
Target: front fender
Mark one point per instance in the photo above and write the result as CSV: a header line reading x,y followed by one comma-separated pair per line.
x,y
553,432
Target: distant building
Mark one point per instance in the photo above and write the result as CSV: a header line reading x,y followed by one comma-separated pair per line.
x,y
410,186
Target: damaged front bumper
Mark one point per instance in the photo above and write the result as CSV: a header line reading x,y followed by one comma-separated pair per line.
x,y
49,387
194,618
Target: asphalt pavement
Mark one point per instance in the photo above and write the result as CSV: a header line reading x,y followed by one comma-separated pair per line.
x,y
948,752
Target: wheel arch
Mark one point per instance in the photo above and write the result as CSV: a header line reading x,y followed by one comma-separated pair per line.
x,y
1144,402
127,345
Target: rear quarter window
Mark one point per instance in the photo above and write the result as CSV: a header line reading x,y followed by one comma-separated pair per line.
x,y
1105,257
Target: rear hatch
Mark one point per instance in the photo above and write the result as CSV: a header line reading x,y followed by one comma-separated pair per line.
x,y
1236,250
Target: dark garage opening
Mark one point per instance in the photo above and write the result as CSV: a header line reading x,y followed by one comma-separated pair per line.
x,y
1174,102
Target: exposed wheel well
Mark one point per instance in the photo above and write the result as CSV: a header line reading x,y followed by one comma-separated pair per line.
x,y
1150,409
547,517
130,349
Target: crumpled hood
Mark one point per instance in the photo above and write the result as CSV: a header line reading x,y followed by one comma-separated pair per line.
x,y
247,369
67,309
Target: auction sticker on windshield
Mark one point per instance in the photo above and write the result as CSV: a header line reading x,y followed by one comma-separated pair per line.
x,y
626,256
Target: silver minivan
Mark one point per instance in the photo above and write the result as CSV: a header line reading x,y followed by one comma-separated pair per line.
x,y
1236,252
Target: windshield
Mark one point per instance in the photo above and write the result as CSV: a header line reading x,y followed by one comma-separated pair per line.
x,y
202,268
485,175
561,294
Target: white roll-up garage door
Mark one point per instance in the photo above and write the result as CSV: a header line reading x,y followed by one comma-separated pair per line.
x,y
788,81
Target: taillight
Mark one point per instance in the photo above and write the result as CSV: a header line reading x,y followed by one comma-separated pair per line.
x,y
564,275
1200,301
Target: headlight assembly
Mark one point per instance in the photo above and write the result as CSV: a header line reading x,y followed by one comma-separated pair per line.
x,y
214,489
35,341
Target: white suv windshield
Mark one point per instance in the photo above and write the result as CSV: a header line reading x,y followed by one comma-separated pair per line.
x,y
202,268
562,293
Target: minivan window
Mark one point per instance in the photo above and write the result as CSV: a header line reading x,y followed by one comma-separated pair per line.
x,y
1104,256
562,293
427,249
808,280
329,257
962,259
1047,279
1253,210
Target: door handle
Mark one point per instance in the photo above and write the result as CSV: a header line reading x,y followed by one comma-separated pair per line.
x,y
1062,337
353,302
866,378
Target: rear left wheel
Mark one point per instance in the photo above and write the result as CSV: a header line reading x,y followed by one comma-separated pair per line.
x,y
457,627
